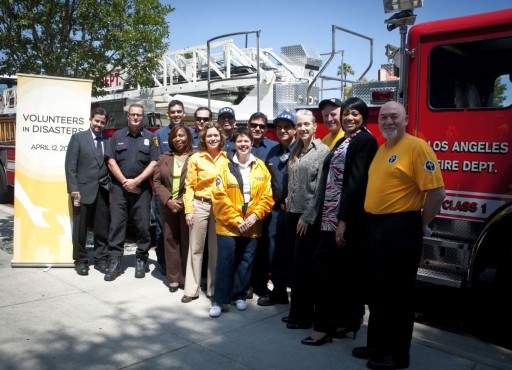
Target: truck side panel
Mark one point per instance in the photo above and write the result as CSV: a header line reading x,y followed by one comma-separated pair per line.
x,y
459,99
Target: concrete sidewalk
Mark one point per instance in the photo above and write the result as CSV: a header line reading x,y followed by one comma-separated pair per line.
x,y
55,319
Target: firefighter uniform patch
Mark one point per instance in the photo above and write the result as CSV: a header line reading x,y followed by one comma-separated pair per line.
x,y
155,141
430,166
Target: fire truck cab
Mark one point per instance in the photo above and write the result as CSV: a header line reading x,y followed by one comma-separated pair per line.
x,y
456,84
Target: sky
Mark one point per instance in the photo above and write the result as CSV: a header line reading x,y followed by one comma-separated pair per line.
x,y
292,22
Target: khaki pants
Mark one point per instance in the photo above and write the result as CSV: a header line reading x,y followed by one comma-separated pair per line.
x,y
204,224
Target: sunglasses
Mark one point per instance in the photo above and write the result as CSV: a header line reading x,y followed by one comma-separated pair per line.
x,y
205,119
261,126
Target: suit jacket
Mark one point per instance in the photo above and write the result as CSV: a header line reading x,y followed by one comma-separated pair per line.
x,y
85,172
162,178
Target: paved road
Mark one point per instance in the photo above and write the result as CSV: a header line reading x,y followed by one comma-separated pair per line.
x,y
54,319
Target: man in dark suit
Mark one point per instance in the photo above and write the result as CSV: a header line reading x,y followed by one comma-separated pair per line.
x,y
89,184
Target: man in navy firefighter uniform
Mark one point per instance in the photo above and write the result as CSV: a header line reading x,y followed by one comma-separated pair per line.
x,y
132,156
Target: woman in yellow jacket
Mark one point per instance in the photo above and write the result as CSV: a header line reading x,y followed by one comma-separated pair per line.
x,y
201,173
241,198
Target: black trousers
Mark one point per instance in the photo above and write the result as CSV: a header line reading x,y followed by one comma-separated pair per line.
x,y
272,255
339,279
395,250
96,215
123,205
302,302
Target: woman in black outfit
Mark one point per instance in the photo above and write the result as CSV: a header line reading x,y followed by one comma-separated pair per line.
x,y
338,211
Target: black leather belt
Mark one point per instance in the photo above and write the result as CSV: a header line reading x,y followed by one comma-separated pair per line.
x,y
204,200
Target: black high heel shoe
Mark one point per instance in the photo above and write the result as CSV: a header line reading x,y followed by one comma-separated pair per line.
x,y
342,333
316,342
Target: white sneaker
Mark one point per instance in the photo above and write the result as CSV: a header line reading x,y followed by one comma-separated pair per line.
x,y
215,310
241,305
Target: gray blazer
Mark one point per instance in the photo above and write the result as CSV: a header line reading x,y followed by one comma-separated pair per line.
x,y
85,172
303,175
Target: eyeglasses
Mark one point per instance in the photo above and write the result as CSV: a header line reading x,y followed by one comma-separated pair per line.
x,y
226,117
261,126
205,119
136,115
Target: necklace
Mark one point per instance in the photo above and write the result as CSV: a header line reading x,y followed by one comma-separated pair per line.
x,y
180,160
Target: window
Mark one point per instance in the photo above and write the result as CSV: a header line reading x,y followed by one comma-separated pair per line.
x,y
471,75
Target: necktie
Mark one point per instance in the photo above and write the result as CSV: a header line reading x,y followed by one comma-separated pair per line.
x,y
99,147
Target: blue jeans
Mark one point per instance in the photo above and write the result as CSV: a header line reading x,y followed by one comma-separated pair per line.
x,y
235,255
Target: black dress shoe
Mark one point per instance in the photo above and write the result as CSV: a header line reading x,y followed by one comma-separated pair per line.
x,y
272,299
173,289
265,300
101,266
364,353
82,269
387,363
316,342
187,299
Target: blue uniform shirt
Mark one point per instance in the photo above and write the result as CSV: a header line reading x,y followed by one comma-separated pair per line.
x,y
195,138
277,163
261,151
133,153
162,136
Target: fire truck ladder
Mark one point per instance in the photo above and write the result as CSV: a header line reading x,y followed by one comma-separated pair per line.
x,y
220,74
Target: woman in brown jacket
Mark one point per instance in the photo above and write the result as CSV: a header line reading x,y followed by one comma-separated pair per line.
x,y
169,182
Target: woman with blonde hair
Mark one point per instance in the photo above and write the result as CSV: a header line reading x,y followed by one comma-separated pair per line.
x,y
202,170
304,169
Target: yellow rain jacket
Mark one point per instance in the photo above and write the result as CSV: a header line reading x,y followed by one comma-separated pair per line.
x,y
228,199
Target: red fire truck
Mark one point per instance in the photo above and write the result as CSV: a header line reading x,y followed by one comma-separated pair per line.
x,y
455,79
456,84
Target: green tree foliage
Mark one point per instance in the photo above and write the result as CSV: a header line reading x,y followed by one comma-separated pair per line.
x,y
500,92
347,70
83,38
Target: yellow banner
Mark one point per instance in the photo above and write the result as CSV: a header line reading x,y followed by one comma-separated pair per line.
x,y
49,111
